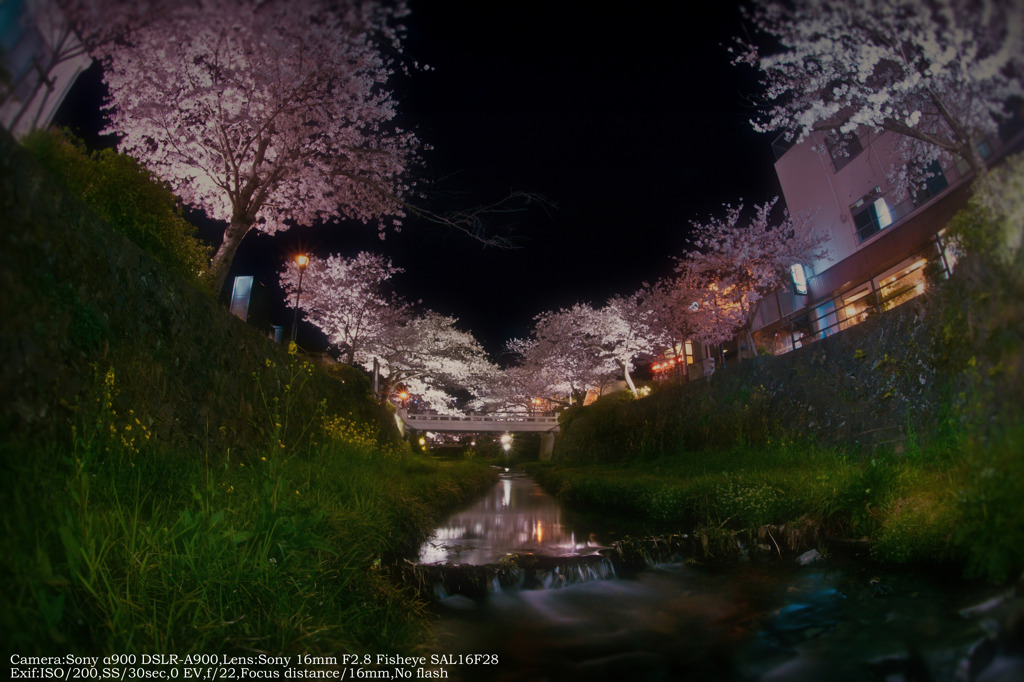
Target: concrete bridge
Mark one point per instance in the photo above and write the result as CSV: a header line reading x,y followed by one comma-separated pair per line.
x,y
485,423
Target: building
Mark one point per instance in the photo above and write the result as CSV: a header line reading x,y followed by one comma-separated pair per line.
x,y
685,362
883,250
40,58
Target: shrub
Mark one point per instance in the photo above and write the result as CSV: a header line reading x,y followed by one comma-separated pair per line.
x,y
125,195
992,227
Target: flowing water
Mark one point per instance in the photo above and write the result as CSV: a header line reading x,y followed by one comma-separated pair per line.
x,y
682,621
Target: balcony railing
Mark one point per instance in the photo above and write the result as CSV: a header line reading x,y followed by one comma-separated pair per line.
x,y
852,307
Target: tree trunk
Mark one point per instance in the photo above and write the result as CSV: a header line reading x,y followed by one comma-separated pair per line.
x,y
629,379
225,255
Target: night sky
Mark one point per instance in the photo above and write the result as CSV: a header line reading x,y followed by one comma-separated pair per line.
x,y
630,122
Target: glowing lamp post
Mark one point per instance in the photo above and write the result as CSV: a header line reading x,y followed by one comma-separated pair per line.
x,y
302,260
506,442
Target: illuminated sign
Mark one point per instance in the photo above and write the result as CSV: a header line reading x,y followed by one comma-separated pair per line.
x,y
799,279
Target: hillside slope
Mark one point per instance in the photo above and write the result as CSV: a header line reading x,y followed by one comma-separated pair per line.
x,y
80,299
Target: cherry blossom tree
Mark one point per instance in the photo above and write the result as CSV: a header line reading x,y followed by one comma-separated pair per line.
x,y
517,388
265,113
625,329
938,73
564,350
736,261
685,308
351,301
431,358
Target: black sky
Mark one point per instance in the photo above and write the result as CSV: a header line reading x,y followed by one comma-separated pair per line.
x,y
629,120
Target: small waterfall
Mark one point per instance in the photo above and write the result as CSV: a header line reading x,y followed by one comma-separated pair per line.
x,y
515,572
494,585
529,571
571,574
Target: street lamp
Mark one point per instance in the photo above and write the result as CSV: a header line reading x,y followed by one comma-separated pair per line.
x,y
302,260
506,442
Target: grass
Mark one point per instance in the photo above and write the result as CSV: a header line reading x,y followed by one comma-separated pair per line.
x,y
739,488
959,506
113,542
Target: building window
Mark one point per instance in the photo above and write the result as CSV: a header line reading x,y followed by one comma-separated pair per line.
x,y
857,306
934,183
825,322
870,214
843,148
910,282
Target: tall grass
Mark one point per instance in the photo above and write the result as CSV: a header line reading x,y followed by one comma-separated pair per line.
x,y
114,543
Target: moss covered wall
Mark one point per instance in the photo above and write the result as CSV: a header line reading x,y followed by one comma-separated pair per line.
x,y
79,299
861,388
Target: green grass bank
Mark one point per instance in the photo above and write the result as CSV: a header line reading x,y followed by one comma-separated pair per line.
x,y
922,507
171,481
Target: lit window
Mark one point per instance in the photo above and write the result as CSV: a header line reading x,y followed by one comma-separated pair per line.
x,y
857,306
904,285
871,214
825,321
882,211
799,278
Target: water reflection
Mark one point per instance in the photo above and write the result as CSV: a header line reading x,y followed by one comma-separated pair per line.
x,y
515,517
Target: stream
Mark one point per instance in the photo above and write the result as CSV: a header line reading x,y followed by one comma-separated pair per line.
x,y
681,620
